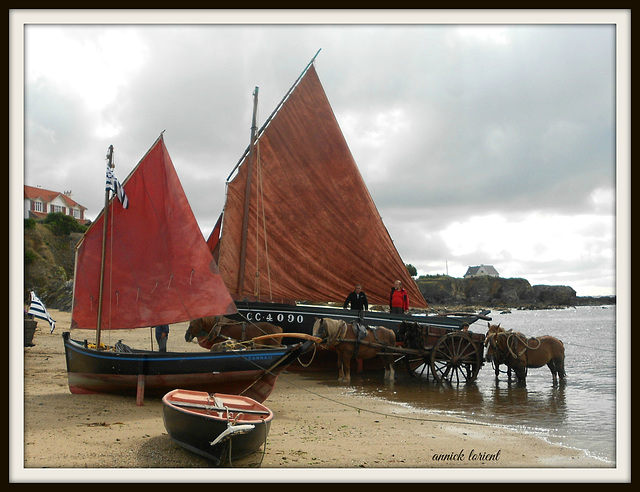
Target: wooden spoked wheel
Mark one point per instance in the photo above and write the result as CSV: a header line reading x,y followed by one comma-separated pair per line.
x,y
417,365
455,359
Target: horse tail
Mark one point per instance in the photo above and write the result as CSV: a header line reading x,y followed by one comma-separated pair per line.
x,y
560,366
561,369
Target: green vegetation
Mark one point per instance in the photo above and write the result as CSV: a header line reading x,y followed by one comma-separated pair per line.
x,y
63,225
49,255
29,256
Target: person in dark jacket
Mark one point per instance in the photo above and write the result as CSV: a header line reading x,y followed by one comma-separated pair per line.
x,y
398,299
162,336
357,299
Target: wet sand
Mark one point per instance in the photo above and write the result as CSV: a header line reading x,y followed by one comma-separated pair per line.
x,y
320,433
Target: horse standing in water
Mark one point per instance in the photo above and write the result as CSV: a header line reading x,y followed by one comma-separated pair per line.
x,y
491,355
519,353
215,329
356,341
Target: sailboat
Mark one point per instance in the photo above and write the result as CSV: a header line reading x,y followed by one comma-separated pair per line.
x,y
148,264
299,228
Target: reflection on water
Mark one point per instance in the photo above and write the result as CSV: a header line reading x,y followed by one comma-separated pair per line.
x,y
507,404
578,412
517,402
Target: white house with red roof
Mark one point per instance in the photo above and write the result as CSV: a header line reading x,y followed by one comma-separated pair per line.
x,y
38,203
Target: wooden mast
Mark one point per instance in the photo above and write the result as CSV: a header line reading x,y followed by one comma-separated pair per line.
x,y
247,196
104,248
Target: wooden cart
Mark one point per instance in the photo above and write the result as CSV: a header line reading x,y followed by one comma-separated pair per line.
x,y
448,355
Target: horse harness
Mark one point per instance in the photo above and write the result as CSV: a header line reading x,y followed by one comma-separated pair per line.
x,y
216,331
360,332
511,342
337,337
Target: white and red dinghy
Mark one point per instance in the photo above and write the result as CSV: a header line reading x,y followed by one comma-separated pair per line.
x,y
220,427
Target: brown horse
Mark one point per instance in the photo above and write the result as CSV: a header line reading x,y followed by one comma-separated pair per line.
x,y
491,354
356,341
520,353
215,329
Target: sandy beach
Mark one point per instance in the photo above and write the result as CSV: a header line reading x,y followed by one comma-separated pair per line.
x,y
319,433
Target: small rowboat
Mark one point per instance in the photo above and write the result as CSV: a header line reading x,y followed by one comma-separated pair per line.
x,y
220,427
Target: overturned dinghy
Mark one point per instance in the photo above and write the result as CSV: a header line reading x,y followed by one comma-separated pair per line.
x,y
222,428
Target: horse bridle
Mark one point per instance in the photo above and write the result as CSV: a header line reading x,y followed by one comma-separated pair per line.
x,y
510,346
324,335
491,341
322,331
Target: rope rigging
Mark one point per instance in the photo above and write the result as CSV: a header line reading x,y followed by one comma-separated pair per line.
x,y
259,207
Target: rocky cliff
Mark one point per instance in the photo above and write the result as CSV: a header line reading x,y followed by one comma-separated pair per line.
x,y
48,265
496,292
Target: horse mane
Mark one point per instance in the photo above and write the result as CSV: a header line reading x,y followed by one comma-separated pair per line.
x,y
492,332
411,333
335,329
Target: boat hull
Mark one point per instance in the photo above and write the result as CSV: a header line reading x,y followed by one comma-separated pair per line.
x,y
301,318
30,326
234,372
196,429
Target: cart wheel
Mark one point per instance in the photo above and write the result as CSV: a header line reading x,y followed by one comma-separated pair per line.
x,y
455,358
417,366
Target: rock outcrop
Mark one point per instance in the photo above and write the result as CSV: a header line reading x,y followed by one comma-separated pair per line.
x,y
494,291
49,266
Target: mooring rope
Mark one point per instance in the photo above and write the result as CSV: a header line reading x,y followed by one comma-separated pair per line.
x,y
361,409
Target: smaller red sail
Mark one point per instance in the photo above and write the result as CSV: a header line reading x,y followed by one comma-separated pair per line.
x,y
158,268
214,239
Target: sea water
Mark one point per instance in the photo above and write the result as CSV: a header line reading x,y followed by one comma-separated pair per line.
x,y
578,413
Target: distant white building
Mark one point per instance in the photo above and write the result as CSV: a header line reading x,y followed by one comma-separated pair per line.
x,y
481,271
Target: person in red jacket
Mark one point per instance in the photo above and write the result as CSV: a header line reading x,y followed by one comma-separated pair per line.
x,y
398,299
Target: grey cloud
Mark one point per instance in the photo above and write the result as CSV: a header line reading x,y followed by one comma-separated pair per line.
x,y
481,126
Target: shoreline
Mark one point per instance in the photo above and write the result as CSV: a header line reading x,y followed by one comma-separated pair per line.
x,y
318,426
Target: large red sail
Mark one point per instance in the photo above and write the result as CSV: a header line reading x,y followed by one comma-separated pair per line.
x,y
323,231
158,268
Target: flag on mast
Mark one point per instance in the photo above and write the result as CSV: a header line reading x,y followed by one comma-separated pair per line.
x,y
39,311
114,185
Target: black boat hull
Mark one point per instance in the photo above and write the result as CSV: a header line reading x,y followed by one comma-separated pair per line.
x,y
301,318
234,372
196,432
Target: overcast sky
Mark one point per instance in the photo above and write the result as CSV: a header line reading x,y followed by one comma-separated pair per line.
x,y
480,144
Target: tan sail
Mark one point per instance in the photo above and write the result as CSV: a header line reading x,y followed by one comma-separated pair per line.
x,y
313,230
